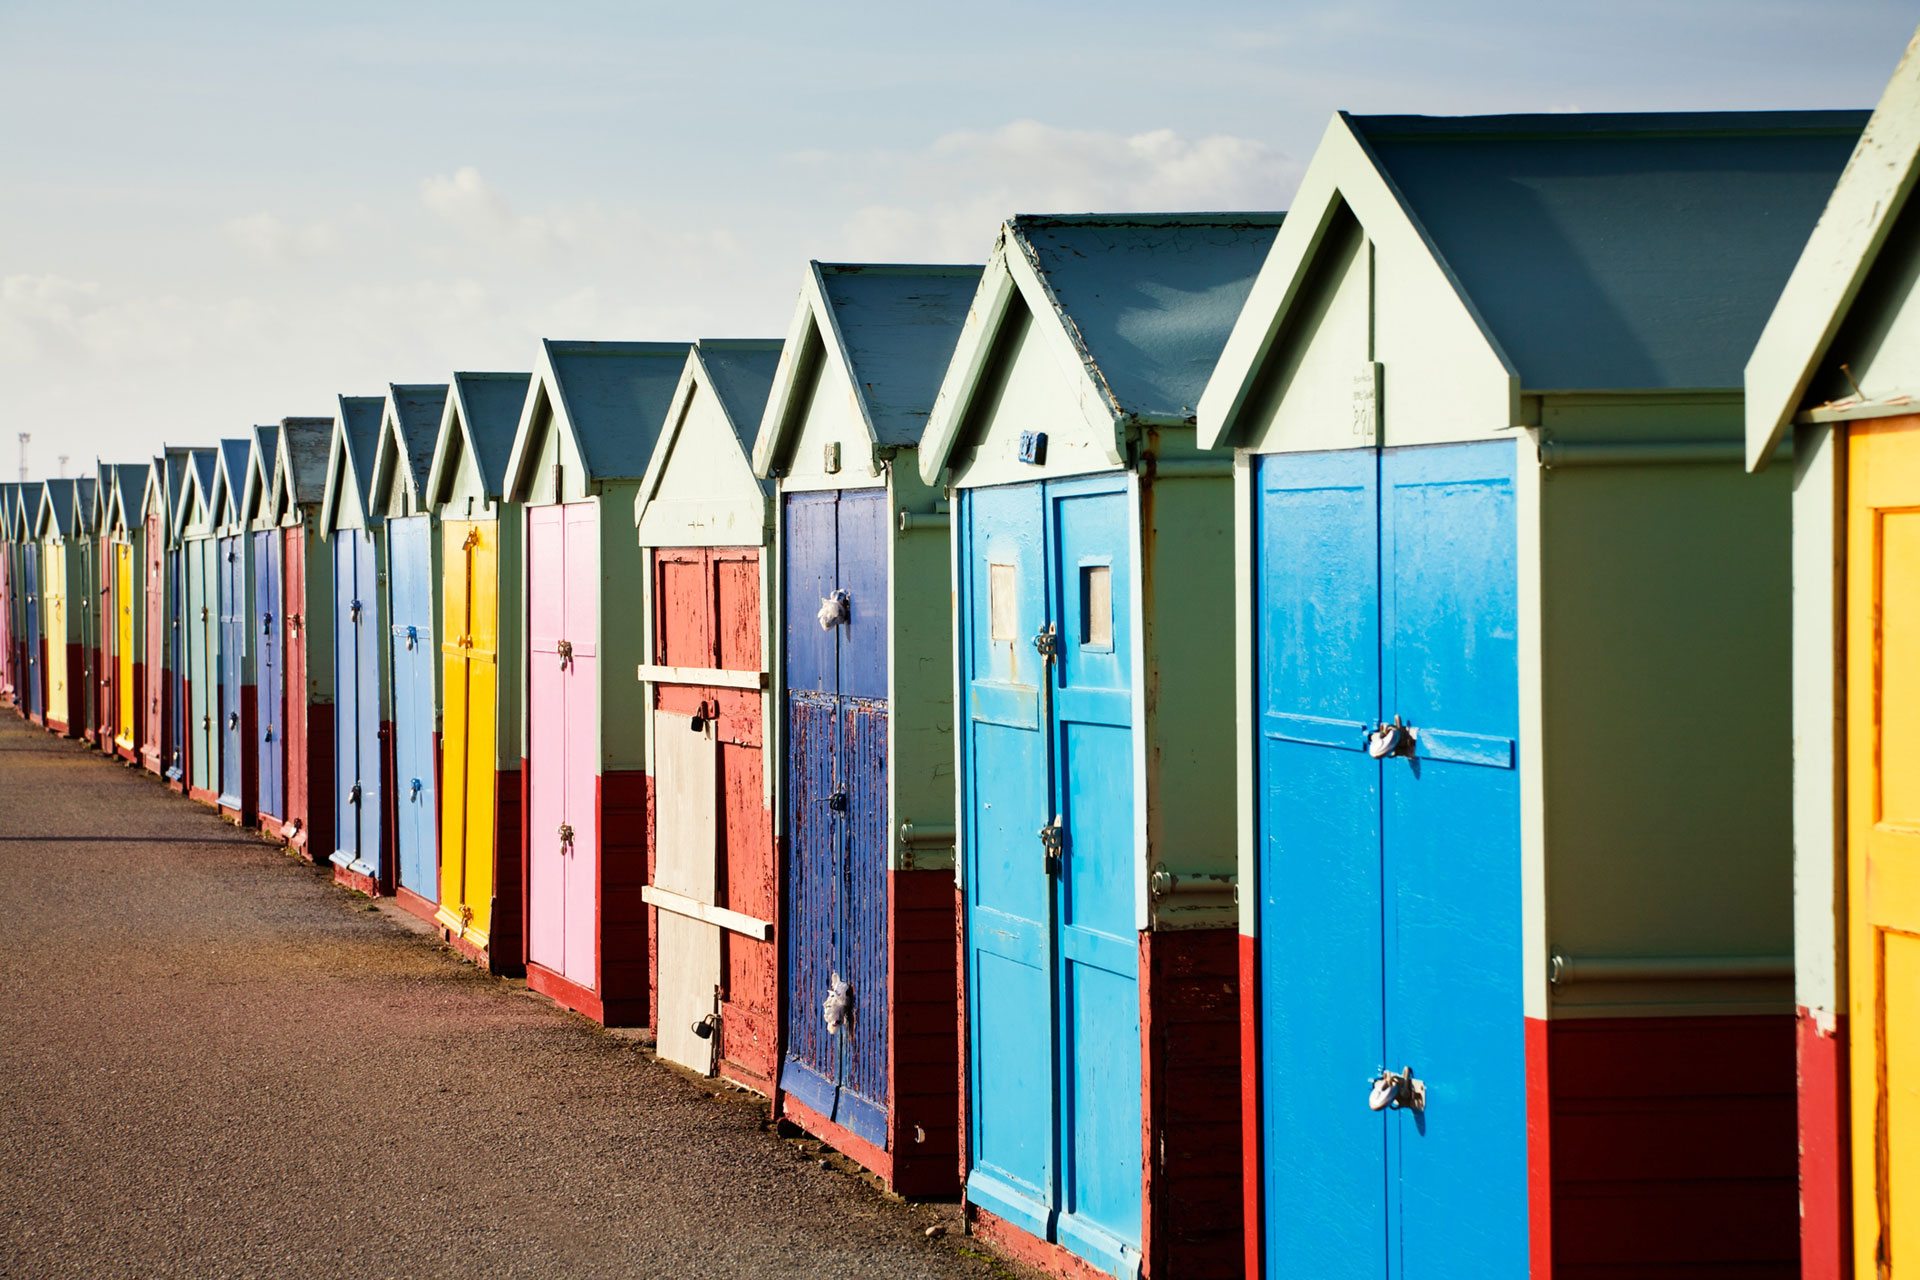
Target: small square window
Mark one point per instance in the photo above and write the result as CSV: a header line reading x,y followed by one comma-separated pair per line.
x,y
1003,611
1096,606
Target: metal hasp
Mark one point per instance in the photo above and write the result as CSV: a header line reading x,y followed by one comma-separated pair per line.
x,y
1394,1090
1053,842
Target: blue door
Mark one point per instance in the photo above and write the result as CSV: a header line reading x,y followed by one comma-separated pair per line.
x,y
415,720
269,676
177,661
356,672
35,669
837,934
1389,888
1048,792
234,651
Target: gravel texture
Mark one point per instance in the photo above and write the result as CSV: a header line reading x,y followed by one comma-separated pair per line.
x,y
213,1062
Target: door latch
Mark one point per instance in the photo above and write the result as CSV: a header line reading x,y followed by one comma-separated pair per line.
x,y
700,718
266,624
1393,738
566,835
1046,641
1053,839
353,794
233,719
471,541
413,637
565,649
1393,1090
413,792
353,611
837,802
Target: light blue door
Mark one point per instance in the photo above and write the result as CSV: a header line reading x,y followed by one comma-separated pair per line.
x,y
235,652
1389,907
269,677
32,666
415,720
1053,951
346,684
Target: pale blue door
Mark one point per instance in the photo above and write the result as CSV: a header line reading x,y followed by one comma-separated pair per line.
x,y
269,630
1050,849
1388,889
415,719
346,683
235,652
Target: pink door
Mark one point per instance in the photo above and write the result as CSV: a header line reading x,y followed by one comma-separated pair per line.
x,y
152,697
546,738
582,686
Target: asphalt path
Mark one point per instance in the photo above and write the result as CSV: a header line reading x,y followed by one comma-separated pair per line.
x,y
213,1062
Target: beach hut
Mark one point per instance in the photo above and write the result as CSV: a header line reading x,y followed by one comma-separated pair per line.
x,y
9,599
480,555
864,723
409,424
363,731
1498,573
1835,382
1091,543
98,615
236,649
27,501
704,522
126,541
266,630
66,581
160,733
581,447
200,623
306,602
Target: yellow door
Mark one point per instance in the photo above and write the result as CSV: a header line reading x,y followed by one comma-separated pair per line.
x,y
471,616
456,557
1883,842
123,595
54,628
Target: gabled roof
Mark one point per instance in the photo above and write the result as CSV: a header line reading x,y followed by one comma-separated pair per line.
x,y
1592,252
486,408
196,487
7,488
356,435
164,478
235,455
301,476
738,372
1135,306
129,485
263,459
608,397
892,328
59,507
28,498
1838,258
409,426
94,518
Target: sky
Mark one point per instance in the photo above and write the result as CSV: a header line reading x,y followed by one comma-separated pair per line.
x,y
219,214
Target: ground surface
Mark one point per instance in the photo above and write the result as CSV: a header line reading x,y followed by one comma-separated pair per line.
x,y
213,1062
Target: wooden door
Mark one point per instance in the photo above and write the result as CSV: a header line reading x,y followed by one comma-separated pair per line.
x,y
153,698
35,664
582,778
470,679
126,695
686,864
415,719
457,539
235,650
1883,842
298,695
59,696
269,630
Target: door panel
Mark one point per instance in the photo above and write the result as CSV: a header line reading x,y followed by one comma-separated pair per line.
x,y
293,606
269,632
581,689
153,727
546,738
1321,1033
410,555
58,698
1883,836
1007,800
686,782
367,636
126,696
235,644
456,560
1450,668
35,612
863,777
483,708
347,789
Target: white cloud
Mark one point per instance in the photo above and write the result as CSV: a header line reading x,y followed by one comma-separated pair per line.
x,y
268,238
470,203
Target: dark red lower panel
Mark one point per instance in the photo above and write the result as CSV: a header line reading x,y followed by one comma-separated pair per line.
x,y
1250,1180
922,981
624,980
506,945
845,1141
359,883
1190,1116
1826,1208
310,805
1673,1147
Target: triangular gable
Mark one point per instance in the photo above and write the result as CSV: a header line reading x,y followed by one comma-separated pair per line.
x,y
891,330
58,502
83,522
1838,259
403,455
1134,309
99,499
300,478
263,456
230,479
479,424
129,486
194,504
6,511
27,501
727,381
356,434
607,400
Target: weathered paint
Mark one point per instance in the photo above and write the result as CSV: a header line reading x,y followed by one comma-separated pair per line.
x,y
1644,604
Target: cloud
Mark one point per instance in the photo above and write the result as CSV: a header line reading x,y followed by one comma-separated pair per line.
x,y
466,201
268,238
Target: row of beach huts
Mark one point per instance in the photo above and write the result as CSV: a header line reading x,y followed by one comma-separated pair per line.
x,y
1383,741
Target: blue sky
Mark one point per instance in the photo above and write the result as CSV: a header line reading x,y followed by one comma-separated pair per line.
x,y
217,214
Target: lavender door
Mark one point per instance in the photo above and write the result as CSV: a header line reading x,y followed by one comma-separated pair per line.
x,y
269,629
563,604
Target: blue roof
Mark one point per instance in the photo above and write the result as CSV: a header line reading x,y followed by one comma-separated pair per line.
x,y
1618,252
616,396
898,326
26,505
417,410
740,371
130,480
1149,298
266,452
236,455
490,411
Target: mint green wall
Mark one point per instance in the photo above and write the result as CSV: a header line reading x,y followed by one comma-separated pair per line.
x,y
920,680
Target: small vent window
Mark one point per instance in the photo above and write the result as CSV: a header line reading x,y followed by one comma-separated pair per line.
x,y
1003,612
1096,606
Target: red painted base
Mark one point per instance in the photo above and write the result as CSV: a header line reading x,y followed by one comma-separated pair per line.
x,y
273,828
359,882
922,981
1252,1225
414,904
1031,1251
845,1141
1826,1148
209,798
571,995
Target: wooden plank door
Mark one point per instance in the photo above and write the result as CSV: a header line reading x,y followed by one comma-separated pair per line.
x,y
367,635
58,696
347,738
483,716
581,689
269,627
1883,841
298,691
546,711
411,654
235,647
35,674
126,695
153,698
686,864
456,556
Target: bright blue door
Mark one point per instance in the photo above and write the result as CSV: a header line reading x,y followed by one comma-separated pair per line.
x,y
235,649
410,559
35,669
836,549
1050,847
269,676
1389,907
